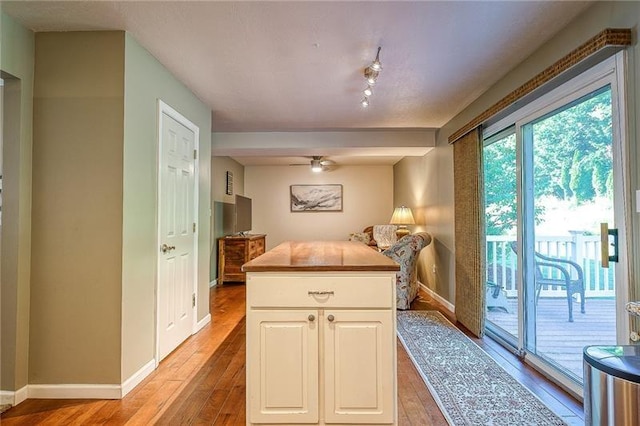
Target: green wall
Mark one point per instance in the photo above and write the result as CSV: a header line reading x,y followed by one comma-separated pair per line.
x,y
16,65
146,82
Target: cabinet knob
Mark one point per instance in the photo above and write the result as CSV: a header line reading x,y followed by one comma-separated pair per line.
x,y
312,317
330,318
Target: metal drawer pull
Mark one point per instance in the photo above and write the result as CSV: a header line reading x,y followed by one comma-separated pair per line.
x,y
331,318
321,293
312,317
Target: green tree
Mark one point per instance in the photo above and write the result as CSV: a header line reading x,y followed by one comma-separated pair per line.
x,y
572,160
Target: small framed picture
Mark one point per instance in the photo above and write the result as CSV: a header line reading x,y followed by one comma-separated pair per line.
x,y
229,183
316,198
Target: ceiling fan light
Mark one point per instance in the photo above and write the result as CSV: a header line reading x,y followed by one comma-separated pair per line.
x,y
316,166
364,102
368,91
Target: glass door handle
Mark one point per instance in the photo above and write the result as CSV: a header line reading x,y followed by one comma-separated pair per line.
x,y
604,244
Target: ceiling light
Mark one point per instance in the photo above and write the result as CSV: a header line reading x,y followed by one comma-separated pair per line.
x,y
316,165
376,65
371,75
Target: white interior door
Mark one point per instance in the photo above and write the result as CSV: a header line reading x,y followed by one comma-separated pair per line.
x,y
176,219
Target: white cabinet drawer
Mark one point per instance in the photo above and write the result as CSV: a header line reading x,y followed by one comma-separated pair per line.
x,y
265,290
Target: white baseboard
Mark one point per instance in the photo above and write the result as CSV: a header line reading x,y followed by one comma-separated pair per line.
x,y
213,283
204,321
21,395
13,398
79,391
7,397
450,306
137,377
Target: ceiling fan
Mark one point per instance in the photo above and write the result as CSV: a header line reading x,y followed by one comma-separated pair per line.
x,y
318,163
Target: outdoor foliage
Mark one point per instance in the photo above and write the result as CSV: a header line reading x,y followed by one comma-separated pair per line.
x,y
572,160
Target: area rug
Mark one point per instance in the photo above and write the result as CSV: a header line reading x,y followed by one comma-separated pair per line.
x,y
468,385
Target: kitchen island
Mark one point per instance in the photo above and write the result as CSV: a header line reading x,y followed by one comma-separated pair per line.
x,y
321,335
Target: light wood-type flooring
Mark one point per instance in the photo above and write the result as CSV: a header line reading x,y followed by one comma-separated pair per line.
x,y
203,382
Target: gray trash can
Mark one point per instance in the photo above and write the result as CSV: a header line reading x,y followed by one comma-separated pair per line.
x,y
612,385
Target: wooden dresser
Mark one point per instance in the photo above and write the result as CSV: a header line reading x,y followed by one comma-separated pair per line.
x,y
233,252
321,336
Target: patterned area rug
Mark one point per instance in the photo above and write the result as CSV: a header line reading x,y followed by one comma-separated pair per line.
x,y
468,385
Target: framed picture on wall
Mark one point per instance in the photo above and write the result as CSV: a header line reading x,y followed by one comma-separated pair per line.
x,y
229,190
316,198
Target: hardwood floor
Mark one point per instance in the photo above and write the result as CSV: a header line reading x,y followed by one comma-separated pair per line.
x,y
203,382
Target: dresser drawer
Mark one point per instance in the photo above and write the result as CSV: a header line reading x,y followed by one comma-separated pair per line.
x,y
266,290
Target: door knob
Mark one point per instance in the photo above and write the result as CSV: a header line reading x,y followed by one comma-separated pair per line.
x,y
330,318
312,317
165,248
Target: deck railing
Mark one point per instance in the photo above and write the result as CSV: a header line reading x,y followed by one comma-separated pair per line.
x,y
578,247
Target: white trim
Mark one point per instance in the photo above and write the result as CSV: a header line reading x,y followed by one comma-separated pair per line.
x,y
21,395
204,321
13,398
569,385
623,199
164,108
213,283
7,397
450,306
79,391
137,377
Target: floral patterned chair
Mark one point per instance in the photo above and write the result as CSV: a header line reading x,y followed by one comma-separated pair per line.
x,y
406,252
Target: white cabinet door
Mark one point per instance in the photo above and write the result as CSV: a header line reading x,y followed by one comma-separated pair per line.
x,y
282,358
359,366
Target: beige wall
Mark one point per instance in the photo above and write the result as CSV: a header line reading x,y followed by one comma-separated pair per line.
x,y
437,166
426,184
367,200
77,208
16,66
146,81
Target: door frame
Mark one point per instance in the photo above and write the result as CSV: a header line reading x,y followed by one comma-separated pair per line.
x,y
164,108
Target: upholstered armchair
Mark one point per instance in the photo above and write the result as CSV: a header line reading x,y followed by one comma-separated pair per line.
x,y
405,252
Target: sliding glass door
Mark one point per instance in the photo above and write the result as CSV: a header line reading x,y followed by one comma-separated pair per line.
x,y
568,193
550,185
500,193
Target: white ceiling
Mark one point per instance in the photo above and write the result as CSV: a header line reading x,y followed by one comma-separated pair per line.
x,y
297,66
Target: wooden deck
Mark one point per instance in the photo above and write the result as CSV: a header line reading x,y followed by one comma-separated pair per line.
x,y
558,339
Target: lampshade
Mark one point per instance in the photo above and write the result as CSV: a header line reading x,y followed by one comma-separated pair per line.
x,y
402,216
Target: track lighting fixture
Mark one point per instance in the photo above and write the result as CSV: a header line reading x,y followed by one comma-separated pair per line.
x,y
371,75
376,65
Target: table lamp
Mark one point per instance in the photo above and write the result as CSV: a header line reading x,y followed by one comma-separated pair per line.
x,y
402,217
